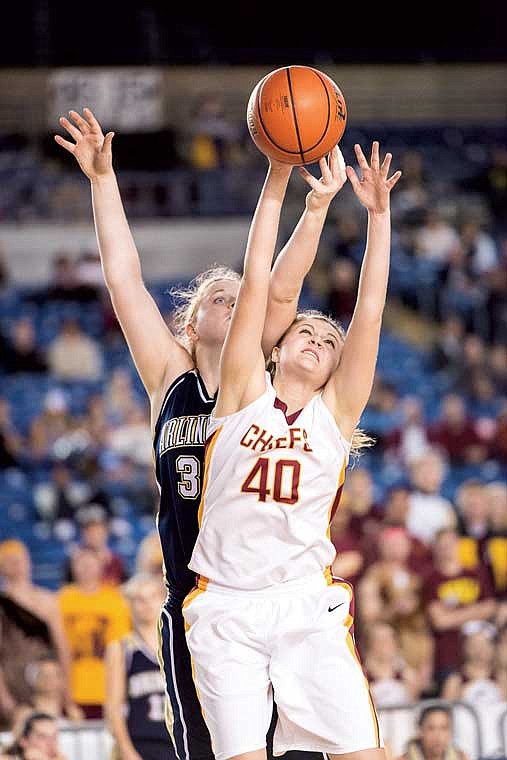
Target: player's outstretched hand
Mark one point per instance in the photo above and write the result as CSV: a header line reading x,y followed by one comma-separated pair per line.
x,y
90,148
333,178
374,187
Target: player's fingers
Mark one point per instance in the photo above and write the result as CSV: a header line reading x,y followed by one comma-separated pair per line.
x,y
340,161
65,143
354,179
393,180
71,129
79,122
326,171
386,163
361,160
106,145
375,156
309,178
92,121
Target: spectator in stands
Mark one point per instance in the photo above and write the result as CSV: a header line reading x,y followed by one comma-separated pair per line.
x,y
474,361
58,499
119,397
495,307
496,494
11,446
394,514
342,284
23,354
89,276
392,681
500,666
409,441
447,352
497,366
31,626
213,135
453,596
429,511
4,271
73,355
496,548
456,433
349,560
149,558
473,521
434,741
358,494
93,614
37,739
492,183
46,678
94,535
132,439
498,441
64,285
52,423
479,248
135,698
349,242
476,683
435,239
409,205
390,592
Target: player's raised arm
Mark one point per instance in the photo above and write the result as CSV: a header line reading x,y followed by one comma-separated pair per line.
x,y
350,387
296,258
242,363
152,345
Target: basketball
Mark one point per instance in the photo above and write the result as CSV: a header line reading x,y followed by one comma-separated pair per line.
x,y
296,115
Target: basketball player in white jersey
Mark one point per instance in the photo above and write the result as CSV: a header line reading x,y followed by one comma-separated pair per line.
x,y
266,613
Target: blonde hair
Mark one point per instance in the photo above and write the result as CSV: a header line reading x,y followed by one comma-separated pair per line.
x,y
131,587
360,439
190,298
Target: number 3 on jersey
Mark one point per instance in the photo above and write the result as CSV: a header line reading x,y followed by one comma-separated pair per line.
x,y
283,476
189,468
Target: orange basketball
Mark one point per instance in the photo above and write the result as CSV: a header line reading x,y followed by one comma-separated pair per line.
x,y
296,115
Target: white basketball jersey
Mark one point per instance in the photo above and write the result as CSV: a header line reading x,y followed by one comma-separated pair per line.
x,y
270,490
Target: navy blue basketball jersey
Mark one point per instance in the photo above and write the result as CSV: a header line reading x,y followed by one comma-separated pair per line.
x,y
145,692
180,435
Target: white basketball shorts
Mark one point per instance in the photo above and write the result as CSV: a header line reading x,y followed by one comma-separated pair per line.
x,y
296,640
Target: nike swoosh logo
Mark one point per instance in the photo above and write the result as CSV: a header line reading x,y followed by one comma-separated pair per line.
x,y
331,609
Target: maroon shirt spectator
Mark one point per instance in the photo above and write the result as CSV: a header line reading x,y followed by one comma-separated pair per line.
x,y
453,596
94,531
349,561
498,442
457,434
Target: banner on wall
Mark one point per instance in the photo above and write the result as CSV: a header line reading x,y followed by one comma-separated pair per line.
x,y
125,99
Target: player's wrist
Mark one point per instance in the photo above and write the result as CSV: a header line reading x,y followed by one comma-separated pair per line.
x,y
103,178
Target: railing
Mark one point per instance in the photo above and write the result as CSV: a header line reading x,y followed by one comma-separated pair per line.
x,y
479,732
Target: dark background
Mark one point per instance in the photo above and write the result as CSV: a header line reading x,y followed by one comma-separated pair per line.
x,y
88,32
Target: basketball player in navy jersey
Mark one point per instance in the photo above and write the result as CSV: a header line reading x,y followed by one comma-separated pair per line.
x,y
180,373
135,693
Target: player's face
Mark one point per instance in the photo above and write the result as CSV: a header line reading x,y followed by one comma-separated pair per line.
x,y
214,313
312,346
436,733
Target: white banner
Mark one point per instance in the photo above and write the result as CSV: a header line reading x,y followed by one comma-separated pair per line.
x,y
125,99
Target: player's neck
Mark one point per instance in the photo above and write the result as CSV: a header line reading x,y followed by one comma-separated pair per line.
x,y
295,393
207,361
